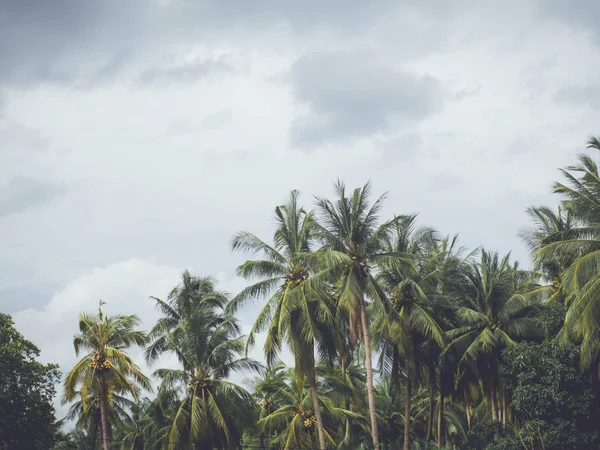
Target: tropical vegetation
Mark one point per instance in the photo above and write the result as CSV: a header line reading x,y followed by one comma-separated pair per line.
x,y
396,337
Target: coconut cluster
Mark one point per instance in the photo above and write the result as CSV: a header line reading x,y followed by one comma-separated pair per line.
x,y
310,419
99,363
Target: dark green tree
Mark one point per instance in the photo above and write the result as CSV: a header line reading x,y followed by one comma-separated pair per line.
x,y
27,388
554,405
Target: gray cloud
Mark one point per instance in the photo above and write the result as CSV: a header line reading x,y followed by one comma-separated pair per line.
x,y
45,41
52,42
24,192
353,96
24,295
401,148
588,95
581,16
16,139
186,73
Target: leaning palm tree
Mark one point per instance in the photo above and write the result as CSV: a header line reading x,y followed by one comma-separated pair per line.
x,y
106,366
498,309
353,244
578,247
295,313
549,226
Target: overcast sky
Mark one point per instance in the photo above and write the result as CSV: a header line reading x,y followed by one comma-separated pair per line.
x,y
137,136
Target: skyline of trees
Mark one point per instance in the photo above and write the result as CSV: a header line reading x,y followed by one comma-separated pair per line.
x,y
399,337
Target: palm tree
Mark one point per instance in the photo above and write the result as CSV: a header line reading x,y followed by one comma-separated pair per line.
x,y
345,386
389,398
106,365
294,313
406,334
136,429
577,250
86,411
210,410
353,245
498,309
448,267
156,421
65,441
290,417
549,226
184,300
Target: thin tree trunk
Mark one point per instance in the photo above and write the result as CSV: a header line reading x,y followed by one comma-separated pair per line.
x,y
468,408
369,366
407,415
348,436
504,408
431,415
500,406
440,415
103,412
315,400
493,401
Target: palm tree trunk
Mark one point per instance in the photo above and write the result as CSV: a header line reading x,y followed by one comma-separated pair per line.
x,y
348,437
369,367
431,415
103,401
468,408
350,406
407,415
315,400
440,415
504,408
493,401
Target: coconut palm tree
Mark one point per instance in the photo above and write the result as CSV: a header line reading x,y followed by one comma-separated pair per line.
x,y
353,244
498,309
193,322
448,266
549,226
184,300
405,335
291,419
135,431
389,398
154,423
85,412
295,312
210,410
577,250
345,386
106,366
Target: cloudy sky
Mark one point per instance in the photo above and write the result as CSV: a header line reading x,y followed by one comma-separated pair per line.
x,y
136,137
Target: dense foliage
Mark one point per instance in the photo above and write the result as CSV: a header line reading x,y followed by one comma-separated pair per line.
x,y
399,338
27,388
554,404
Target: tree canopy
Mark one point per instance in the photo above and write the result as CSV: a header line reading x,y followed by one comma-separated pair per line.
x,y
27,388
398,337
